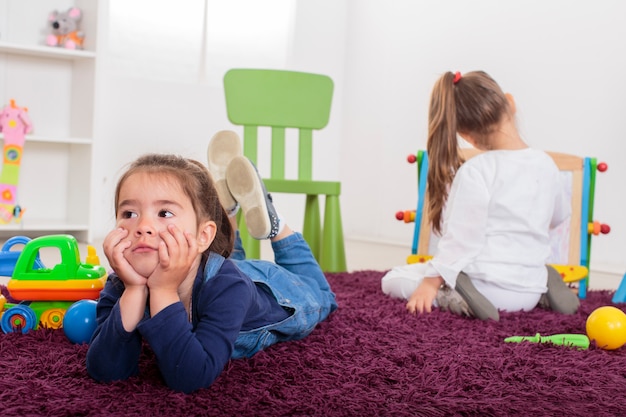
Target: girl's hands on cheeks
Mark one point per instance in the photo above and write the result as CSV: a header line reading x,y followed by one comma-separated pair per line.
x,y
114,246
133,300
422,298
178,255
178,252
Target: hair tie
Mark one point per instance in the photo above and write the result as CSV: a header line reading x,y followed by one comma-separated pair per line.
x,y
457,77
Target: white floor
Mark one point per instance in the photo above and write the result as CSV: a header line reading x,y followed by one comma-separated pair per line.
x,y
360,255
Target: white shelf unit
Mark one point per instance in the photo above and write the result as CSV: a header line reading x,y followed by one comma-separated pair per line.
x,y
57,85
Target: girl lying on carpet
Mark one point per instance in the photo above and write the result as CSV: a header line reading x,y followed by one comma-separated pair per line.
x,y
499,209
180,285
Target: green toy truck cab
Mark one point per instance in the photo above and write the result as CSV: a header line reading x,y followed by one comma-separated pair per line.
x,y
46,293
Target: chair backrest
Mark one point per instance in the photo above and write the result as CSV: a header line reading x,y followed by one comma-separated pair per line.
x,y
280,100
567,249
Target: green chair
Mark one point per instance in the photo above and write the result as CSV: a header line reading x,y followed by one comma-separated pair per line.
x,y
284,100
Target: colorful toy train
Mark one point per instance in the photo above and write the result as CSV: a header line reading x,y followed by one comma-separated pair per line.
x,y
45,294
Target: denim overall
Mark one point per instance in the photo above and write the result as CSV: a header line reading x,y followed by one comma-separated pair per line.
x,y
296,281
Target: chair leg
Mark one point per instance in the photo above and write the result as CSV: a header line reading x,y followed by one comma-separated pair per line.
x,y
312,226
333,256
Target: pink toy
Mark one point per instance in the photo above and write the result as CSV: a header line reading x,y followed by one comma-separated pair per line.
x,y
66,32
14,124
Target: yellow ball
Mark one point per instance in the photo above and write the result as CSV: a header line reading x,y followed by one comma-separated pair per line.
x,y
607,326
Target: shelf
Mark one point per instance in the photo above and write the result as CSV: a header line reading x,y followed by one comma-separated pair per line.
x,y
47,139
44,224
44,51
58,87
33,229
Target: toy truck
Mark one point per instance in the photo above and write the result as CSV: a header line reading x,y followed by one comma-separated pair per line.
x,y
47,293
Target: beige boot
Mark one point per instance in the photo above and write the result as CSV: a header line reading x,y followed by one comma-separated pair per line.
x,y
223,147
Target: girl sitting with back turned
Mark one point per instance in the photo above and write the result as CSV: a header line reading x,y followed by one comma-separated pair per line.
x,y
179,284
494,212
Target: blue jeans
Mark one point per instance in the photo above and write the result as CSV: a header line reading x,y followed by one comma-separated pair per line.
x,y
298,284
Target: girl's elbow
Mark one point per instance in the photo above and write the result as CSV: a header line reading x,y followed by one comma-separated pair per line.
x,y
103,371
187,386
187,383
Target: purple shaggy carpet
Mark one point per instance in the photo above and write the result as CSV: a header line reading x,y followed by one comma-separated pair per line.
x,y
370,358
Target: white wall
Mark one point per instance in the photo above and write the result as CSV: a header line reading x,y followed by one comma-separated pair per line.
x,y
562,60
148,102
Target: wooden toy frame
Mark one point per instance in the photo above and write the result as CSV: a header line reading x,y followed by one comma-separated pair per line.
x,y
575,268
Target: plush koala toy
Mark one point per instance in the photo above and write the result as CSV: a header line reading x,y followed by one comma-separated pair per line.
x,y
66,32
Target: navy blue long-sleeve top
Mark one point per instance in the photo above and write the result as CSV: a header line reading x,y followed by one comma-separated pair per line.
x,y
190,355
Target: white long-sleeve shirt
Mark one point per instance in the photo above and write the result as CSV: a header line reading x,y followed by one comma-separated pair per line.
x,y
496,226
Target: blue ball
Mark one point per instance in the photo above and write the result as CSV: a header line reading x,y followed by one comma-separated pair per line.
x,y
79,321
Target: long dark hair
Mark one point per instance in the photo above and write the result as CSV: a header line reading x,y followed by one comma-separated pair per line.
x,y
472,104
